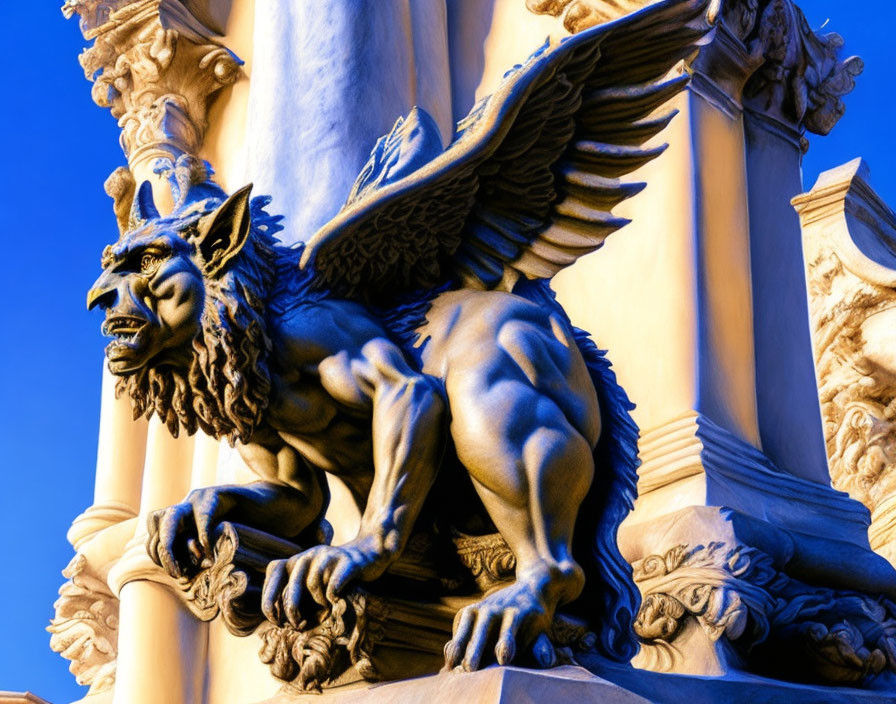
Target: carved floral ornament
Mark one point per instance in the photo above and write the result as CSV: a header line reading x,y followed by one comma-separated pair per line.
x,y
800,78
780,626
92,13
858,398
579,15
85,627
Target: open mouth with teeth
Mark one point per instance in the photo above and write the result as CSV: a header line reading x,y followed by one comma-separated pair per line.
x,y
125,331
123,328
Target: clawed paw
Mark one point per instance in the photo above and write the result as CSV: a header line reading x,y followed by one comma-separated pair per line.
x,y
512,623
311,581
180,536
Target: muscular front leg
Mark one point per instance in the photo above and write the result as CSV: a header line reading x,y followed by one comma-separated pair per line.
x,y
408,426
291,497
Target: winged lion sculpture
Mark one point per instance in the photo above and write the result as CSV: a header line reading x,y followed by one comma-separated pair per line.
x,y
412,347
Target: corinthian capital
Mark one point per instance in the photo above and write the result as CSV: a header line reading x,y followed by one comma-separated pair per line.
x,y
155,66
801,78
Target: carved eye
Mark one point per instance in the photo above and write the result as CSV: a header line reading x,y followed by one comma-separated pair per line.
x,y
150,261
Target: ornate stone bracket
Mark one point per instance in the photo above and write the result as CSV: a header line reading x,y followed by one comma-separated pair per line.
x,y
85,627
228,584
347,639
849,239
778,626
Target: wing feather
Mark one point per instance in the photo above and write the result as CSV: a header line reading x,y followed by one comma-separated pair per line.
x,y
532,176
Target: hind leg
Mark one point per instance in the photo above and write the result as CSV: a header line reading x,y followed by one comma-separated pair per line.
x,y
532,469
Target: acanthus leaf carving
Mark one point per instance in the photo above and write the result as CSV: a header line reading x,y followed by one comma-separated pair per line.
x,y
801,79
92,13
797,75
85,626
780,626
579,15
156,79
848,239
858,398
488,558
228,584
740,16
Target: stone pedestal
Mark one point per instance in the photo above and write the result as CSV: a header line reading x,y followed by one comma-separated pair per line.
x,y
494,685
613,684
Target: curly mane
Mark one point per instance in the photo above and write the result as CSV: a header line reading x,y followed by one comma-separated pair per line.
x,y
226,388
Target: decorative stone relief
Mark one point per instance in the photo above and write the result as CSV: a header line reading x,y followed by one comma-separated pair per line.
x,y
850,247
85,627
740,16
779,626
858,397
487,558
156,69
801,79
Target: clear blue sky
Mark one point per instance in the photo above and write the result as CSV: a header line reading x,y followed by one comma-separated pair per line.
x,y
59,147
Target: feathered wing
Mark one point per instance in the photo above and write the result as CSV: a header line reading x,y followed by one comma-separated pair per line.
x,y
529,182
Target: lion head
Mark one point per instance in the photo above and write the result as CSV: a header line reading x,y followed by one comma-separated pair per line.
x,y
184,298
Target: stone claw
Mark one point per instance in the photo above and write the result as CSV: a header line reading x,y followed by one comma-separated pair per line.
x,y
180,536
314,578
504,622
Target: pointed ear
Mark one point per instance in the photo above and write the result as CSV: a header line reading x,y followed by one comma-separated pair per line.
x,y
143,206
223,233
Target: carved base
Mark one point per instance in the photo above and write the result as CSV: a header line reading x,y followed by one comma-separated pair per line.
x,y
366,635
725,593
